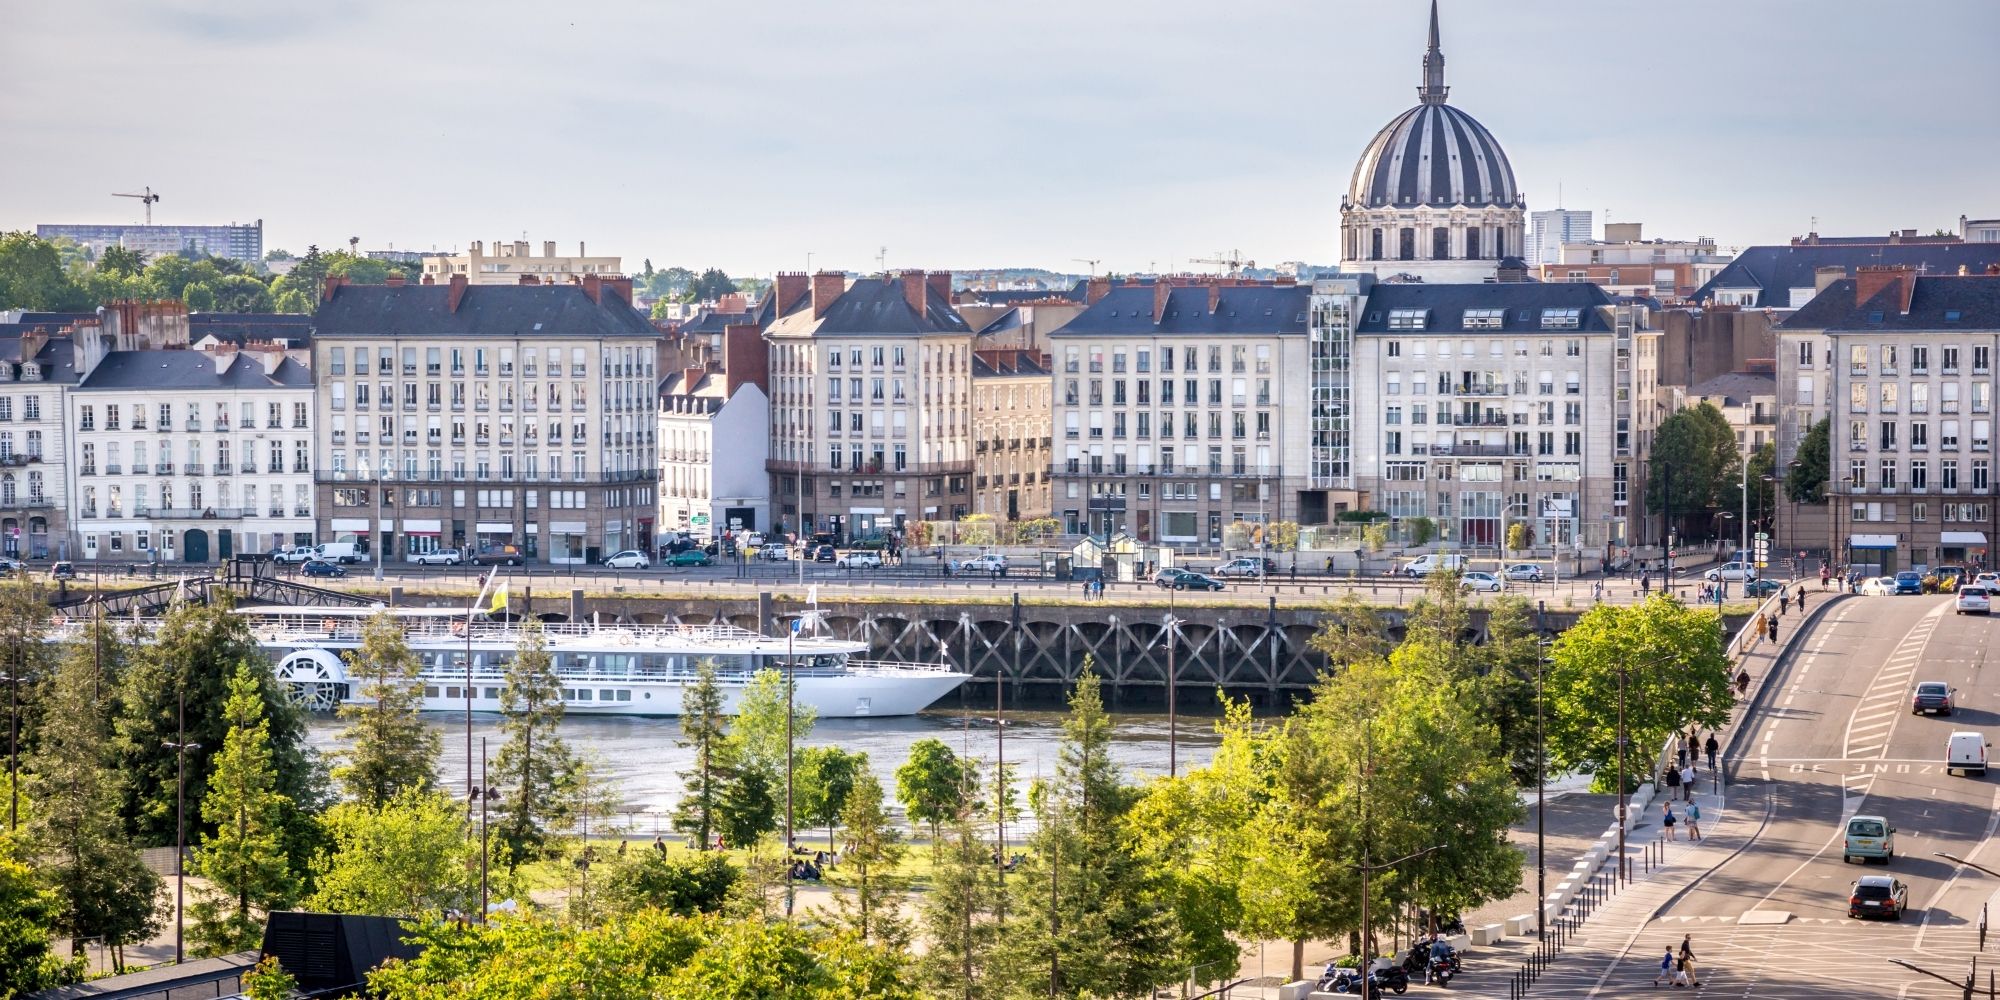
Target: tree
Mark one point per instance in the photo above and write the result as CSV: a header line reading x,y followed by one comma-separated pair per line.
x,y
1350,631
683,884
868,867
934,784
1676,673
1375,537
100,886
1695,448
1806,481
823,779
699,810
31,274
27,910
1511,657
389,748
1422,530
535,764
757,737
957,917
199,296
407,856
239,293
1283,536
242,856
749,807
122,262
713,284
1519,536
269,981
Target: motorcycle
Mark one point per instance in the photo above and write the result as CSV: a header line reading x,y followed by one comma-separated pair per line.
x,y
1347,980
1442,969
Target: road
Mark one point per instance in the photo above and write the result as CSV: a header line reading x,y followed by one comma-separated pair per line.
x,y
1836,738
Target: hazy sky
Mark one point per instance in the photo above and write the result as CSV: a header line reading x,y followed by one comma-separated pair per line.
x,y
1025,132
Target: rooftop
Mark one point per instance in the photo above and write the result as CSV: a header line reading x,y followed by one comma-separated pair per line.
x,y
871,307
1500,307
481,311
1217,309
1936,303
1737,388
193,370
1777,270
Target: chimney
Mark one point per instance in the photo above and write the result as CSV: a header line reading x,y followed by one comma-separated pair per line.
x,y
430,279
620,286
1214,296
579,249
395,279
691,375
1871,281
939,283
548,248
1161,291
271,355
1824,276
826,286
528,279
913,290
520,248
790,285
1096,290
477,247
593,286
746,358
326,288
456,294
32,343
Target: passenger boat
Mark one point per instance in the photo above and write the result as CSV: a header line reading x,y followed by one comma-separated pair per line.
x,y
605,669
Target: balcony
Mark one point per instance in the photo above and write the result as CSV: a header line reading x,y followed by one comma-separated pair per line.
x,y
163,469
222,469
1479,389
201,513
248,468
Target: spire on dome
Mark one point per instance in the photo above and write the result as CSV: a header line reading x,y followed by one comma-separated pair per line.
x,y
1433,90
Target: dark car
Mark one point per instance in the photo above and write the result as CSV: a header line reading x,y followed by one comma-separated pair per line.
x,y
1762,588
1909,582
1878,896
499,555
320,567
1181,579
825,553
690,557
1931,696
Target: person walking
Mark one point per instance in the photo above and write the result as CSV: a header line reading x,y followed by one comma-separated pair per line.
x,y
1824,573
1694,821
1667,820
1645,584
1687,784
1801,598
1711,746
1672,779
1774,630
1681,753
1784,600
1666,967
1687,959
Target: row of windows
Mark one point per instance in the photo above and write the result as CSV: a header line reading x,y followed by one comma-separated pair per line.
x,y
246,416
1242,424
528,465
1544,413
1544,443
1239,357
1887,474
618,395
31,408
195,501
1142,392
161,462
1889,396
1488,319
627,362
1891,357
1920,512
1889,434
496,499
1484,383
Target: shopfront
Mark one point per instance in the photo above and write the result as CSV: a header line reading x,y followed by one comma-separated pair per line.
x,y
1876,551
1962,548
422,537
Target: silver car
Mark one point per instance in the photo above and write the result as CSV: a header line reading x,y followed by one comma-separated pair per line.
x,y
1528,572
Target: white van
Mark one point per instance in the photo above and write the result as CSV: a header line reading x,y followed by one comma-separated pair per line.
x,y
1425,565
336,552
1965,752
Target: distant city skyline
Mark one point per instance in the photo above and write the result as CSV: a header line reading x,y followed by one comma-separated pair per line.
x,y
1036,134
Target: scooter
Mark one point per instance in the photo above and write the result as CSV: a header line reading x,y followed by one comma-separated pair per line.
x,y
1442,969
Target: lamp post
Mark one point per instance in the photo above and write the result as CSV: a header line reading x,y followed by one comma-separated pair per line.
x,y
13,749
1793,543
180,748
1624,863
1766,509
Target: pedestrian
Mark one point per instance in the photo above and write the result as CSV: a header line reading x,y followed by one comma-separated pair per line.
x,y
1295,570
1694,821
1784,600
1667,808
1666,967
1672,779
1680,973
1823,574
1681,752
1687,959
1743,681
1687,784
1774,630
659,846
1645,584
1801,598
1712,746
1597,592
1329,565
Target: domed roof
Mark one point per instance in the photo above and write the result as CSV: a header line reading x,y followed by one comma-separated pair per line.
x,y
1433,154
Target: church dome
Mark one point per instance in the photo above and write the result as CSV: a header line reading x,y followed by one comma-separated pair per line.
x,y
1434,155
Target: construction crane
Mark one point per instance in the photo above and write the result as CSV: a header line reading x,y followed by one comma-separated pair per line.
x,y
148,198
1092,261
1234,262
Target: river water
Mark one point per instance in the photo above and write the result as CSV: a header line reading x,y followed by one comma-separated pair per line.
x,y
643,758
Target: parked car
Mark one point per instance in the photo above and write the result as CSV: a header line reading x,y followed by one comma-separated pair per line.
x,y
1909,581
991,562
824,552
1482,582
1878,896
1931,696
62,571
1965,752
1731,572
499,555
1762,588
337,552
1868,838
1244,568
441,557
774,552
1183,579
1528,572
860,560
1427,564
320,567
690,557
628,559
1991,581
9,564
1974,600
294,554
1877,586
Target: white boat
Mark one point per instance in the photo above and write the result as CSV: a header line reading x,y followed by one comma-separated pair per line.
x,y
604,669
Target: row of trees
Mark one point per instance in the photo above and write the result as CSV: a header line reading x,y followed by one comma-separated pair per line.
x,y
1697,471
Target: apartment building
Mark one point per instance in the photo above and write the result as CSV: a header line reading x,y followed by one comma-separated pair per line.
x,y
183,455
1181,405
36,366
715,432
1485,405
510,263
871,403
1010,421
1902,364
475,418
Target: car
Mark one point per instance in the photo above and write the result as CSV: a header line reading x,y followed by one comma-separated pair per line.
x,y
1868,838
1243,567
1762,588
1877,586
9,564
628,559
499,555
1991,581
1973,600
1878,896
293,554
1931,696
1528,572
860,560
441,557
1965,751
1183,579
991,562
690,557
1909,581
824,553
774,552
1486,582
1731,572
63,571
320,567
1425,565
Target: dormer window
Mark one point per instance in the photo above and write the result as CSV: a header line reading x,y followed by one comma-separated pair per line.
x,y
31,372
1562,319
1409,319
1484,319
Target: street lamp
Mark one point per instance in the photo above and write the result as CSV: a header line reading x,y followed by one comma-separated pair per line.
x,y
180,748
1765,510
1793,543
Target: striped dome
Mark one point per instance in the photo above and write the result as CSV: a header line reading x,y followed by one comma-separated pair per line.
x,y
1435,155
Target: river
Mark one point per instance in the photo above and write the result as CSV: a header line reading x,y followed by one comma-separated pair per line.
x,y
643,756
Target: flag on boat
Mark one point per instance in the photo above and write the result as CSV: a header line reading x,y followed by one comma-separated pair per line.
x,y
797,624
499,600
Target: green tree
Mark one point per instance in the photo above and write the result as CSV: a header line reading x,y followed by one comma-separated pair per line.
x,y
32,275
242,857
269,981
1519,536
958,916
823,778
101,887
711,285
299,290
409,855
1510,659
757,737
199,296
1676,672
679,884
1806,481
1695,448
868,868
1421,529
239,293
699,811
1350,631
934,784
26,653
27,913
120,261
535,764
389,748
174,274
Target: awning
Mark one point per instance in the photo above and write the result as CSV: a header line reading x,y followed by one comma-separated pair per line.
x,y
350,524
420,526
1871,541
1962,538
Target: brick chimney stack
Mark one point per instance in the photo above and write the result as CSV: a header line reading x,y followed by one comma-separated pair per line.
x,y
1871,281
1162,290
939,283
913,290
1096,290
456,293
746,357
326,288
593,286
395,280
790,285
826,287
620,286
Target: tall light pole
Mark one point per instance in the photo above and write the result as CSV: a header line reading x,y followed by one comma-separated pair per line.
x,y
1793,526
180,748
1624,863
1173,630
1766,510
13,748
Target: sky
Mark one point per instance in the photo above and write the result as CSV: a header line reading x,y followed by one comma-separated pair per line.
x,y
761,136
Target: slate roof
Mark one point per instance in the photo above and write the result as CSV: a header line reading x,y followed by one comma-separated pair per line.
x,y
1778,270
1522,304
192,370
236,328
57,357
1975,300
486,311
1240,309
1017,296
58,319
871,307
1736,388
1016,364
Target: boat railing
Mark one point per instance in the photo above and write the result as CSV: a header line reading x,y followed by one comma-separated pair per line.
x,y
306,628
685,674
